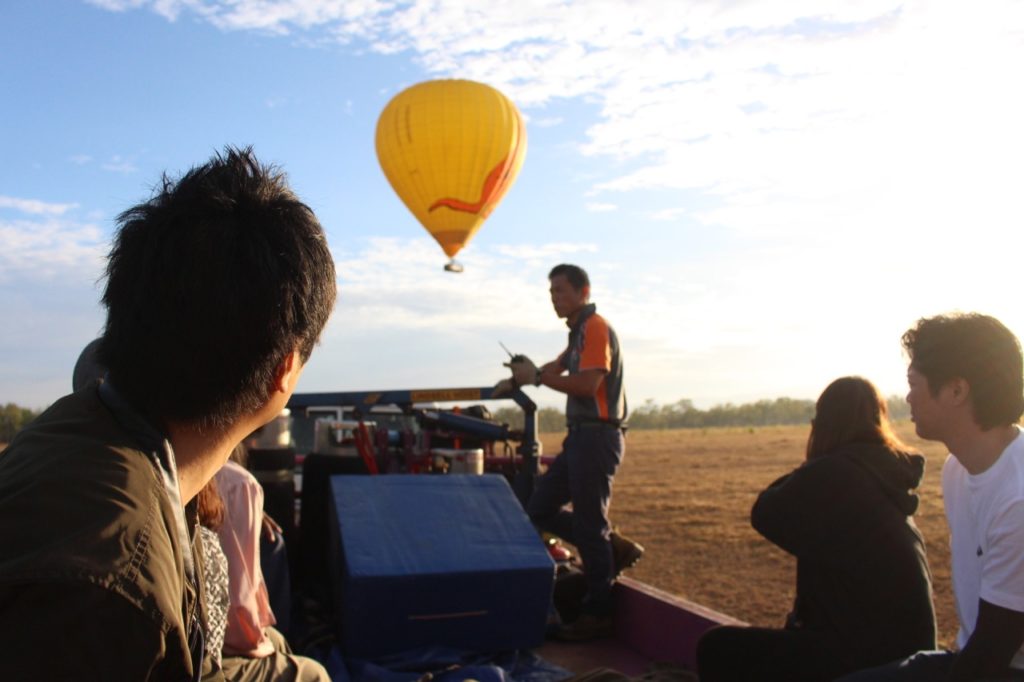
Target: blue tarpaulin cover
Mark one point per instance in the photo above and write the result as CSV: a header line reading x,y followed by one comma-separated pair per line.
x,y
446,665
443,560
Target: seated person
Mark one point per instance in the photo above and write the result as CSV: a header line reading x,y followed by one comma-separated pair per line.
x,y
253,649
210,509
863,592
273,551
235,595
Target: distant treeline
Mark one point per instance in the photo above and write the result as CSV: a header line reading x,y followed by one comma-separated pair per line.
x,y
683,414
650,415
12,418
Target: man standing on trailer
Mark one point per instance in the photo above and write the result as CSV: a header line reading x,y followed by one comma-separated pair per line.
x,y
589,372
966,381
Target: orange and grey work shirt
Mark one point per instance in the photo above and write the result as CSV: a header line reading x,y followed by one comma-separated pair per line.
x,y
593,344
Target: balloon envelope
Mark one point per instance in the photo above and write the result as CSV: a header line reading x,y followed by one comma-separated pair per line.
x,y
451,149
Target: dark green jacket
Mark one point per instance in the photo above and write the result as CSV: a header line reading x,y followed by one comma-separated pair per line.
x,y
92,572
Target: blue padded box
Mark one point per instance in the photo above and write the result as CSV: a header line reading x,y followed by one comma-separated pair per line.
x,y
431,560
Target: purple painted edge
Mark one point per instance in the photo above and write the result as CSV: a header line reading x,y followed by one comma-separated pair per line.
x,y
661,626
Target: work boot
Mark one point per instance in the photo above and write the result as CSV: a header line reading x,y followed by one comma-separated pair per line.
x,y
585,628
625,552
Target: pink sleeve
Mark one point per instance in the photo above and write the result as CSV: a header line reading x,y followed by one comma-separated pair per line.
x,y
249,611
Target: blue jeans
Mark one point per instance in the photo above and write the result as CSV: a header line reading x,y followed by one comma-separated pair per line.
x,y
582,474
276,575
923,666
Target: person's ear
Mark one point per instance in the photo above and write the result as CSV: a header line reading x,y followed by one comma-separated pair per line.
x,y
287,373
959,390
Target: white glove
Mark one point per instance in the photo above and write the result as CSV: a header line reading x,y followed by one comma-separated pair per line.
x,y
503,388
524,371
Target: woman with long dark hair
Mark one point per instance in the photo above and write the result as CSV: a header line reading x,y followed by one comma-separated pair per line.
x,y
863,592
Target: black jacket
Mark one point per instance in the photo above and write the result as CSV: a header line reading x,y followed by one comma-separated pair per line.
x,y
862,572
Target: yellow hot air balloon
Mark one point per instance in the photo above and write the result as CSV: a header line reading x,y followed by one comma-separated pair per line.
x,y
451,149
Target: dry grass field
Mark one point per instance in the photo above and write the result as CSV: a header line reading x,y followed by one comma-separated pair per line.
x,y
686,496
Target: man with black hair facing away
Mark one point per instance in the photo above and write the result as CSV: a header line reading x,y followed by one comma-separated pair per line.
x,y
589,372
217,289
966,380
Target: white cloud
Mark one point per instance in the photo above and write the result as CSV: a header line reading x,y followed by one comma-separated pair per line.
x,y
120,5
545,122
401,284
50,249
34,206
545,252
281,17
596,207
668,213
806,99
851,150
434,328
119,164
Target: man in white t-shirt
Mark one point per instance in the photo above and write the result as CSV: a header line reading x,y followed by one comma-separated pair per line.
x,y
966,381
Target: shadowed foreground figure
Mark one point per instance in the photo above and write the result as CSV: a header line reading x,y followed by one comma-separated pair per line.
x,y
238,633
217,289
863,593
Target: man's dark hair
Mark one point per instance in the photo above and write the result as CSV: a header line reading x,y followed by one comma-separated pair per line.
x,y
211,283
576,275
978,349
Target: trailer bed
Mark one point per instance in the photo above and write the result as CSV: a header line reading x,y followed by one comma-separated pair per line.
x,y
652,628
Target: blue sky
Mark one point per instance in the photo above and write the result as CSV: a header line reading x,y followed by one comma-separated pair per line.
x,y
766,195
